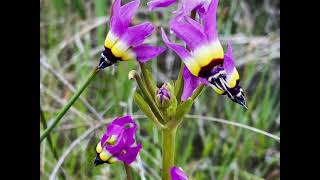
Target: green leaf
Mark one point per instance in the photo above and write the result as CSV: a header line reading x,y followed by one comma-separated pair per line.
x,y
183,109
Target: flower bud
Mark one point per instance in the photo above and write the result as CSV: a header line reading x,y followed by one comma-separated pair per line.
x,y
163,96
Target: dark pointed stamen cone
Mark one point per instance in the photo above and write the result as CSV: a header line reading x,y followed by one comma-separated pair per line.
x,y
97,161
241,100
103,63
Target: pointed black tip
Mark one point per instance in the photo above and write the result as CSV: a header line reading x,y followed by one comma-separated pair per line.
x,y
97,161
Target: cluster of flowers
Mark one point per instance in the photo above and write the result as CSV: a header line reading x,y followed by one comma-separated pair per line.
x,y
205,61
202,54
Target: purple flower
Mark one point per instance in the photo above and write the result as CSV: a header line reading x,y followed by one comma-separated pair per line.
x,y
205,62
125,43
177,174
184,6
155,4
118,143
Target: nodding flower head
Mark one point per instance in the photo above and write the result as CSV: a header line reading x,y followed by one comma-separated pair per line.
x,y
125,43
205,60
118,143
177,173
163,96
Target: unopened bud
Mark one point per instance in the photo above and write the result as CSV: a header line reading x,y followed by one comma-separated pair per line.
x,y
163,96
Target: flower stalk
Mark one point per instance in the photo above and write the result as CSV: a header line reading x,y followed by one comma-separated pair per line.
x,y
128,171
168,151
69,104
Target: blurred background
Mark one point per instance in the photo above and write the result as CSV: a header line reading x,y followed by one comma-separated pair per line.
x,y
72,34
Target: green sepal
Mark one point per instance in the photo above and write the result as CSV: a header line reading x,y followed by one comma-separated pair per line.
x,y
178,87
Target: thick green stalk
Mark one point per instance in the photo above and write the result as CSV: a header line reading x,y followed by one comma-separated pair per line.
x,y
128,171
69,104
168,151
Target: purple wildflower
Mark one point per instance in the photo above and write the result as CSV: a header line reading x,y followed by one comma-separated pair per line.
x,y
184,7
177,174
156,4
125,43
118,143
205,62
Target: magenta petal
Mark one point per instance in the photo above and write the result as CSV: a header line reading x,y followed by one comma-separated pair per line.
x,y
190,33
112,130
186,6
125,140
121,17
137,34
116,24
128,10
124,121
145,53
210,21
156,4
228,63
191,82
130,154
181,51
177,174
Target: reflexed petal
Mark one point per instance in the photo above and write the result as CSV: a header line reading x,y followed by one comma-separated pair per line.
x,y
210,21
128,10
191,82
190,33
126,140
145,53
121,17
181,51
228,63
119,129
177,173
137,34
186,6
156,4
116,25
123,121
130,154
112,130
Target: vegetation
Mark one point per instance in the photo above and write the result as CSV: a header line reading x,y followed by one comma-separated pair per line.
x,y
71,39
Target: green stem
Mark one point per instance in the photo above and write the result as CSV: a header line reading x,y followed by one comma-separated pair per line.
x,y
147,79
168,151
128,171
69,104
44,124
